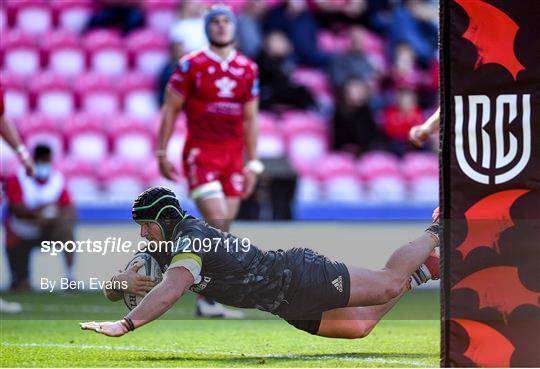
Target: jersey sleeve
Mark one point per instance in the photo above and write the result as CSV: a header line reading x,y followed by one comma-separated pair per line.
x,y
253,86
188,252
181,78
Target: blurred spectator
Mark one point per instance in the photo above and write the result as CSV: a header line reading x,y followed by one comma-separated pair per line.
x,y
404,72
331,13
398,119
126,15
39,209
354,128
414,23
293,18
188,29
275,68
354,63
249,33
176,51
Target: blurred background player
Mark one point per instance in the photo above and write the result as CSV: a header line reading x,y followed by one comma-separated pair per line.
x,y
39,208
10,135
218,89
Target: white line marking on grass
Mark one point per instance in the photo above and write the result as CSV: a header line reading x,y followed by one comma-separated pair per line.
x,y
369,359
70,308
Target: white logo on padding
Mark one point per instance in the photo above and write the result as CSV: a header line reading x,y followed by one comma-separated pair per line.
x,y
338,283
487,150
225,86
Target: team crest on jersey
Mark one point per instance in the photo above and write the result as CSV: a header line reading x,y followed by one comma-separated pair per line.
x,y
211,69
225,86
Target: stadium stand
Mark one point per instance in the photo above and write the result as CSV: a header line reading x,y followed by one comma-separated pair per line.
x,y
92,96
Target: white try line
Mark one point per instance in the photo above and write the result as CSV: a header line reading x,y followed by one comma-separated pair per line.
x,y
339,357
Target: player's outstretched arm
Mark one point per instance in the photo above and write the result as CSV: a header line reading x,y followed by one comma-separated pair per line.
x,y
175,283
420,133
174,102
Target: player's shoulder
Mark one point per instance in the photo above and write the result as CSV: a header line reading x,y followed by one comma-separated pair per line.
x,y
190,227
244,61
191,60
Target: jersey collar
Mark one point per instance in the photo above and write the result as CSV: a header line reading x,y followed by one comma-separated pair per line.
x,y
223,62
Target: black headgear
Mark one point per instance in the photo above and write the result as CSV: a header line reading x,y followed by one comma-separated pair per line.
x,y
158,205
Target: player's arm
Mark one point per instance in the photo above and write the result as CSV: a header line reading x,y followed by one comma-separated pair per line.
x,y
175,283
420,133
8,133
174,102
251,133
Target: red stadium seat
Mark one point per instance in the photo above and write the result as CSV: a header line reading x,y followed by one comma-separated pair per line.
x,y
378,163
21,55
306,136
122,181
132,139
139,96
422,171
16,99
339,178
97,94
387,189
106,52
271,142
87,138
32,16
420,164
36,129
309,189
82,181
63,53
381,172
148,51
314,79
161,14
72,15
53,96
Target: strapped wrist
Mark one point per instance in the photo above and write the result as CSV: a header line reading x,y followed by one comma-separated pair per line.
x,y
128,323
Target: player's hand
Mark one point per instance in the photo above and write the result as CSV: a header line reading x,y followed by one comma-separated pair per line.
x,y
111,329
436,214
136,284
167,169
28,164
250,180
418,135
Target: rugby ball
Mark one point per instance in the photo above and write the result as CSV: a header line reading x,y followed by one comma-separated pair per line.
x,y
150,268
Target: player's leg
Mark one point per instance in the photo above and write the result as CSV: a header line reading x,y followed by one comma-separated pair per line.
x,y
214,210
369,287
354,322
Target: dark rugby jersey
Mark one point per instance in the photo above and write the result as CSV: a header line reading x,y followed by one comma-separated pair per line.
x,y
233,271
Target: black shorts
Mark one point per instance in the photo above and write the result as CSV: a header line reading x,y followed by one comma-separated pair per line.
x,y
318,285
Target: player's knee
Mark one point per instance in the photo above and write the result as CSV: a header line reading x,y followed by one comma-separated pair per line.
x,y
356,329
392,291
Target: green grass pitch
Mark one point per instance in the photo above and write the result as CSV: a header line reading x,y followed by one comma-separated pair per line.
x,y
47,335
